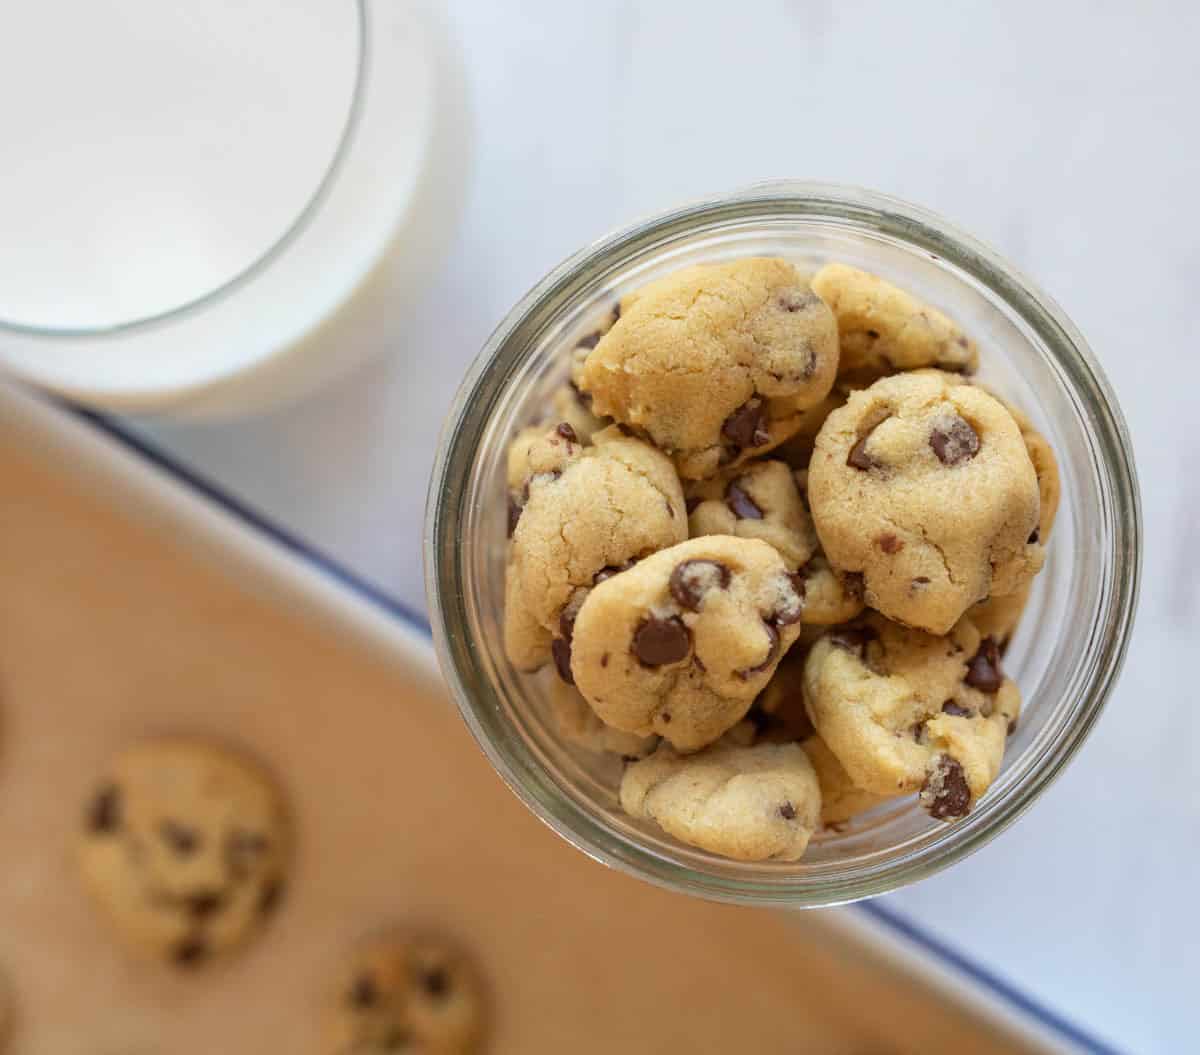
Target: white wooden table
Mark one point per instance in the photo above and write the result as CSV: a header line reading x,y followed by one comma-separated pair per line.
x,y
1066,135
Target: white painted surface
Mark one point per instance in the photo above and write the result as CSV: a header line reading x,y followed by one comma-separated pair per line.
x,y
1065,134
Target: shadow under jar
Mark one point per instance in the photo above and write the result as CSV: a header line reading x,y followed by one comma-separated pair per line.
x,y
1065,656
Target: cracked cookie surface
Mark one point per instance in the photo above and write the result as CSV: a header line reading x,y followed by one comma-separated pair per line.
x,y
403,992
716,362
882,328
905,711
680,644
185,846
582,514
923,485
757,803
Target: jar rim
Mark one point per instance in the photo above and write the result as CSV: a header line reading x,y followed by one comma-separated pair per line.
x,y
446,574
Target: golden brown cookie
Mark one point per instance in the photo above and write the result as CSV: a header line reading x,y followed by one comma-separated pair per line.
x,y
759,500
717,362
905,711
583,514
882,329
680,644
402,992
924,486
185,846
759,803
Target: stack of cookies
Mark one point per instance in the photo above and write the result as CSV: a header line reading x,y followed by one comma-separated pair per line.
x,y
773,542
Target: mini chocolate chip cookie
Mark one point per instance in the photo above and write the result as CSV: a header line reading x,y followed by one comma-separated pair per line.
x,y
681,643
759,500
577,723
759,803
406,993
585,513
905,711
882,329
716,363
924,487
185,845
781,716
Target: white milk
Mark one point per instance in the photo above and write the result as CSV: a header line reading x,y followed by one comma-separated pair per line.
x,y
151,151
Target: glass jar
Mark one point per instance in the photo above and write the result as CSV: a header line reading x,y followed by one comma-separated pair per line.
x,y
1065,656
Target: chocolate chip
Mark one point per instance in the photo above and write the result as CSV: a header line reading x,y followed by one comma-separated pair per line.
x,y
560,649
747,426
918,730
270,897
799,582
657,641
950,707
179,837
190,952
604,660
364,992
104,814
691,504
945,793
921,580
693,579
665,717
205,903
566,623
435,982
787,811
853,584
566,432
853,638
954,441
873,334
772,653
983,668
740,504
889,543
514,514
1033,538
859,457
591,340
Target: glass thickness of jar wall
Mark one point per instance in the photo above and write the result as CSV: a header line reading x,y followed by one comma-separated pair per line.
x,y
1071,643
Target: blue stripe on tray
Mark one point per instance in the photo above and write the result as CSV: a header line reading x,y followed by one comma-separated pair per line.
x,y
888,917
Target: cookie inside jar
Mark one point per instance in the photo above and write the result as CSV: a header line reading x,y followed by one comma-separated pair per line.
x,y
787,617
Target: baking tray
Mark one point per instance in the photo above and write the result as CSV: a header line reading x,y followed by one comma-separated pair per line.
x,y
138,597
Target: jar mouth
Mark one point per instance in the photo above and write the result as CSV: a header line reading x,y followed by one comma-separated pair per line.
x,y
1106,560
